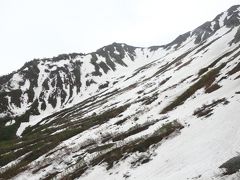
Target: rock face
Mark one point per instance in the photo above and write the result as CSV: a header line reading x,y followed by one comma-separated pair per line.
x,y
127,112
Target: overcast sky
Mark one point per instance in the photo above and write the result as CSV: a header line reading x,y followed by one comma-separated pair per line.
x,y
45,28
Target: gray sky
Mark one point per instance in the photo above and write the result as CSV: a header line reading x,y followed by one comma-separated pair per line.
x,y
45,28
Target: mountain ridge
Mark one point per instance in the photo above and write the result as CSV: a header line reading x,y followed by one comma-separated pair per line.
x,y
113,55
124,108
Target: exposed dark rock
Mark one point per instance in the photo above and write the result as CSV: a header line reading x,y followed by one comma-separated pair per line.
x,y
178,41
231,166
102,86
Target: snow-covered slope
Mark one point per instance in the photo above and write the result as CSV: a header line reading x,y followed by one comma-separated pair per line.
x,y
163,112
44,86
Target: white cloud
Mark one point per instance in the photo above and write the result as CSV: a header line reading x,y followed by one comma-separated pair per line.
x,y
42,28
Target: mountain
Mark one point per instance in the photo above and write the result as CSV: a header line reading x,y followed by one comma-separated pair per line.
x,y
162,112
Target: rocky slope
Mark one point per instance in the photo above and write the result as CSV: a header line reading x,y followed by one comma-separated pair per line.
x,y
123,112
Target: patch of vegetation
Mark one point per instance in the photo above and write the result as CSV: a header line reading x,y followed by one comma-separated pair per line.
x,y
50,176
150,99
202,71
38,150
140,145
68,118
237,77
142,159
12,155
164,81
207,45
183,80
212,88
8,132
38,143
140,92
121,121
100,148
40,168
134,130
205,110
234,70
170,87
169,65
205,81
117,153
185,64
77,172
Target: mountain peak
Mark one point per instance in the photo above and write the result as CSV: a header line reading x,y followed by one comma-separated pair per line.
x,y
229,19
233,17
235,8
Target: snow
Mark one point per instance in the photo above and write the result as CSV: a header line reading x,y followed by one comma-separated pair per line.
x,y
197,152
115,51
201,148
9,123
34,120
222,18
15,81
212,25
